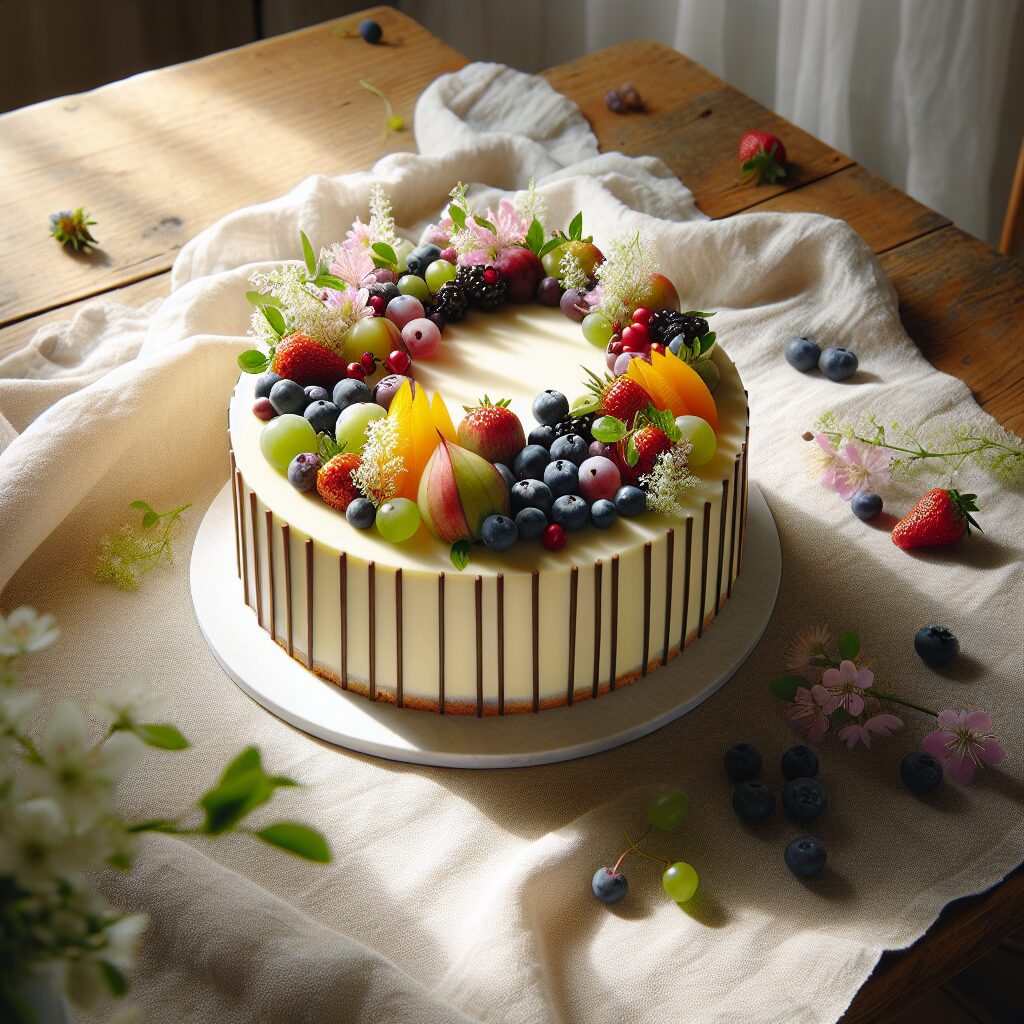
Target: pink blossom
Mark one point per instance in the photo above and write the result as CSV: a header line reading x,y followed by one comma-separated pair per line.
x,y
358,236
440,233
866,468
481,245
846,686
831,465
962,742
808,714
860,732
351,303
352,265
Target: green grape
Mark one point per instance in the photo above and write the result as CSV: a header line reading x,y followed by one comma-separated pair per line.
x,y
608,429
352,424
403,247
597,329
701,435
439,273
284,437
398,519
410,284
679,881
584,404
669,809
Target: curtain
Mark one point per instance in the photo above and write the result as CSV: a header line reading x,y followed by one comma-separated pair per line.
x,y
928,94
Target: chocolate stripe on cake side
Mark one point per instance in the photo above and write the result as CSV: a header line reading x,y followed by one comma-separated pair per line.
x,y
743,502
500,584
670,544
732,526
704,566
687,568
647,609
234,510
241,534
254,520
478,600
574,585
371,606
309,603
536,641
343,615
598,569
721,543
269,522
286,543
615,620
399,684
440,643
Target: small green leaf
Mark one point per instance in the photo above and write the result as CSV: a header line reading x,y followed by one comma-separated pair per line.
x,y
149,519
142,506
576,226
243,787
154,825
458,216
121,861
707,341
116,981
785,687
664,421
535,236
253,361
698,312
841,717
261,299
297,839
275,319
849,646
632,455
484,223
460,554
246,761
385,252
308,254
326,280
162,736
550,245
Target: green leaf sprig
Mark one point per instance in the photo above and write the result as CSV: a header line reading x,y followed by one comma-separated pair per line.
x,y
126,556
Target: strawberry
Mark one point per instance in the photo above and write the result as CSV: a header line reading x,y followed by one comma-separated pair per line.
x,y
938,519
763,155
492,431
649,442
621,397
334,480
299,358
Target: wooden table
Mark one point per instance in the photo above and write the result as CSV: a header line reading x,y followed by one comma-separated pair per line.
x,y
159,157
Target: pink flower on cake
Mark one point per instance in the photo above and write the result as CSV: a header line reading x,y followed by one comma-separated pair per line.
x,y
860,732
359,236
808,714
866,468
351,304
846,685
440,233
478,244
963,741
353,265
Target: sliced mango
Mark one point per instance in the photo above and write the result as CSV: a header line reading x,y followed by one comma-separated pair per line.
x,y
658,387
687,383
442,418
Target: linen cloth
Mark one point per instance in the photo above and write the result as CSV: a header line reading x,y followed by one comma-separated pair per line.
x,y
461,895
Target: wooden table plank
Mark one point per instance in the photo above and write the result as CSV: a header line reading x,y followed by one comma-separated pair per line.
x,y
693,121
161,156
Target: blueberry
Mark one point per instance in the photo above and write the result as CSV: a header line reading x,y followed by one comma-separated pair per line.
x,y
753,801
499,533
264,382
804,799
630,501
350,392
361,513
921,772
531,523
371,31
302,471
315,393
936,645
603,514
562,477
531,494
799,763
838,363
543,435
608,886
866,505
322,416
387,290
571,447
506,474
570,511
805,856
803,354
530,462
421,257
550,407
287,396
742,762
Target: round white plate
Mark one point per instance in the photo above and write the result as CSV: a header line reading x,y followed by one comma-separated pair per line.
x,y
263,669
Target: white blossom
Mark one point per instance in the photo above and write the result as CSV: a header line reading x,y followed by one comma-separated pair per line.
x,y
37,848
25,631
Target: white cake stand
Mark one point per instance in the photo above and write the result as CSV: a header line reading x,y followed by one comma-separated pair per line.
x,y
264,671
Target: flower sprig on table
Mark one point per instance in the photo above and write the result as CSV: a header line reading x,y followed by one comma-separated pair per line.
x,y
831,688
903,450
127,555
58,824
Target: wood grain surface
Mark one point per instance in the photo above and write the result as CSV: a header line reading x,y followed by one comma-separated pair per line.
x,y
160,156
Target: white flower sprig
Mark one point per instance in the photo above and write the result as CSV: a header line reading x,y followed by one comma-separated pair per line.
x,y
382,220
628,264
381,467
670,476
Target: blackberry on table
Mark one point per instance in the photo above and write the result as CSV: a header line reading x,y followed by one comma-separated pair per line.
x,y
451,302
483,286
576,425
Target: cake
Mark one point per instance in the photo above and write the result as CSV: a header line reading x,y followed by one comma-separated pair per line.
x,y
484,623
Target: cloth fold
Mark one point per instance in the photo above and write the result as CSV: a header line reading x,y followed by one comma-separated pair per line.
x,y
461,895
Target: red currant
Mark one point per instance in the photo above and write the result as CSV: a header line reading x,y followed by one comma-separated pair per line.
x,y
642,315
615,346
398,361
356,371
368,361
490,276
634,346
636,335
553,537
376,303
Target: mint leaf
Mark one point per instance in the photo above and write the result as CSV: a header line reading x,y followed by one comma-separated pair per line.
x,y
252,361
385,252
849,646
535,236
698,312
142,506
632,455
297,839
308,255
117,983
164,737
149,519
458,216
664,421
275,319
785,687
460,554
707,342
550,245
576,227
326,280
484,223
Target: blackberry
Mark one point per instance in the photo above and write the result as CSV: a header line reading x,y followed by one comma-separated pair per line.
x,y
451,302
483,285
576,425
667,323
